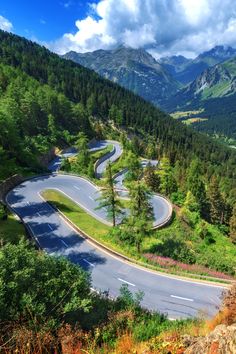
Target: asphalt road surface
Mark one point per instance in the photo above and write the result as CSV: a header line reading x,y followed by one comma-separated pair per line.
x,y
178,298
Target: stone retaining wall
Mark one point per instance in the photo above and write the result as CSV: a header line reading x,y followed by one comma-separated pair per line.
x,y
9,184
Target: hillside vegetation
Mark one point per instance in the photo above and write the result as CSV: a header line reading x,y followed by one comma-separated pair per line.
x,y
75,96
134,69
213,92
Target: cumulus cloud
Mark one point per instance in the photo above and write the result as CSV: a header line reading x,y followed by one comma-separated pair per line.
x,y
164,27
5,24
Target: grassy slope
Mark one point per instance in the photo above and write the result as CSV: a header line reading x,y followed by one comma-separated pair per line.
x,y
11,230
76,214
100,232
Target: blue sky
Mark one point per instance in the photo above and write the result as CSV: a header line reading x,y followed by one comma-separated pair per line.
x,y
162,27
44,20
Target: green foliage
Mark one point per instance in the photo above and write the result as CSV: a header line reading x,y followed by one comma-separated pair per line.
x,y
216,202
41,84
132,162
3,212
177,249
196,186
204,232
178,198
128,301
109,198
139,222
166,175
33,118
151,178
232,232
191,203
36,288
115,114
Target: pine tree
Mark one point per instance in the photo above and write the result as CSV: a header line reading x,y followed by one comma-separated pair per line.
x,y
232,225
190,202
190,210
216,202
109,198
196,185
83,157
134,167
167,180
52,128
141,212
151,178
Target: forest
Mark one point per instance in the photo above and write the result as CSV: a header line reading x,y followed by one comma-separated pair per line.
x,y
46,102
61,98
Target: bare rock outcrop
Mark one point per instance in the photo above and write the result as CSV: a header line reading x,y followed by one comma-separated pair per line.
x,y
220,341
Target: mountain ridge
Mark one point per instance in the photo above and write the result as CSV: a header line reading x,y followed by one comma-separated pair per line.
x,y
187,70
134,69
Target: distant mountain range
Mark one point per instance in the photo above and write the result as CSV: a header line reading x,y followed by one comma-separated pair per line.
x,y
134,69
186,70
174,83
217,81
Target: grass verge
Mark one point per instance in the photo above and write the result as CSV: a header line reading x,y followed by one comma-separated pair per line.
x,y
76,214
102,234
11,230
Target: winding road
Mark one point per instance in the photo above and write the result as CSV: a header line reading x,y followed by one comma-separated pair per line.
x,y
178,298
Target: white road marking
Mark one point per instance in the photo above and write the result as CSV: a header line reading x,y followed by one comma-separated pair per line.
x,y
38,213
50,227
181,298
91,198
127,282
64,243
91,264
77,188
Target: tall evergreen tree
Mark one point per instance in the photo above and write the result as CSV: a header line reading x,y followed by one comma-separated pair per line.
x,y
134,167
232,225
109,198
216,202
167,180
151,178
196,186
83,157
141,212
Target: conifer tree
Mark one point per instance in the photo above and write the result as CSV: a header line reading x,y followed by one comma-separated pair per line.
x,y
109,198
83,158
167,180
196,185
141,212
232,225
151,178
216,202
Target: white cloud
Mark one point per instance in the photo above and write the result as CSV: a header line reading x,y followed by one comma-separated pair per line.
x,y
160,26
5,24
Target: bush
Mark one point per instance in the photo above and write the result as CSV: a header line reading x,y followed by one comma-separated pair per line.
x,y
37,288
176,249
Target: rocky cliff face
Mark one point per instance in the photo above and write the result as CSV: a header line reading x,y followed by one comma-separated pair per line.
x,y
221,341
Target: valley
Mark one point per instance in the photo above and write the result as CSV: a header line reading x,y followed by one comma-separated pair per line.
x,y
124,212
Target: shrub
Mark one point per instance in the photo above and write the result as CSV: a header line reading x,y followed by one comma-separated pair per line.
x,y
169,263
37,288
